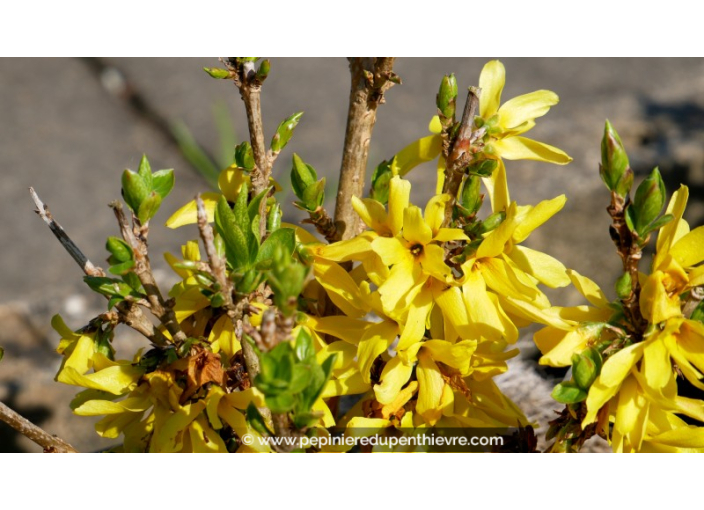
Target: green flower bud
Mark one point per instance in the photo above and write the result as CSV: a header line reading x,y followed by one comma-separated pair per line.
x,y
568,393
492,221
380,182
483,168
134,190
615,170
584,371
217,73
284,132
302,176
471,198
447,96
624,286
118,249
649,201
263,70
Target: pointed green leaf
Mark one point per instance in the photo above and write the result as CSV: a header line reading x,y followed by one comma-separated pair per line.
x,y
285,238
285,131
145,172
568,393
256,420
122,267
235,241
305,351
149,207
119,249
163,182
134,190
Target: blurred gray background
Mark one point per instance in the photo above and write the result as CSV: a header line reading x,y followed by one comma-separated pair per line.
x,y
69,127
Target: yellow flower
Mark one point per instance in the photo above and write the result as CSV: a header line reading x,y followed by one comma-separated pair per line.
x,y
673,269
504,124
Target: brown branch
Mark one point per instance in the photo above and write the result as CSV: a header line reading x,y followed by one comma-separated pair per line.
x,y
630,251
371,77
323,223
250,86
460,153
129,313
696,295
217,263
73,250
143,270
51,444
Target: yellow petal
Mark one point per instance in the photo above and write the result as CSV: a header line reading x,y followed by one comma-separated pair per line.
x,y
392,250
482,312
189,302
457,355
657,369
345,328
546,269
655,303
613,373
420,151
491,81
689,250
414,328
518,110
394,376
188,214
116,380
518,147
415,230
497,187
671,231
403,278
435,126
343,251
534,217
373,214
588,289
450,234
399,195
375,341
351,385
631,414
433,262
230,181
341,288
430,388
223,335
435,211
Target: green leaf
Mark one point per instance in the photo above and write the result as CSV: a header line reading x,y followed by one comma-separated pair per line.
x,y
273,219
303,420
255,418
568,393
241,210
284,132
285,238
253,208
314,195
134,190
659,223
217,73
301,376
2,353
614,169
649,201
584,371
163,182
149,207
235,241
119,249
244,156
302,176
282,403
380,182
145,172
122,267
108,286
305,351
132,280
447,95
319,376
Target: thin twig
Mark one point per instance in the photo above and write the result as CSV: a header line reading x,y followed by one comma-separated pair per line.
x,y
73,250
371,77
460,152
51,444
217,263
323,224
129,313
696,295
143,270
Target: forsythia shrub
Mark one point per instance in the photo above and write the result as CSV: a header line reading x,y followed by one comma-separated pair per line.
x,y
399,325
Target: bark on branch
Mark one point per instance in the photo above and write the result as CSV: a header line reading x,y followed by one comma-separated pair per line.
x,y
371,78
129,313
51,444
